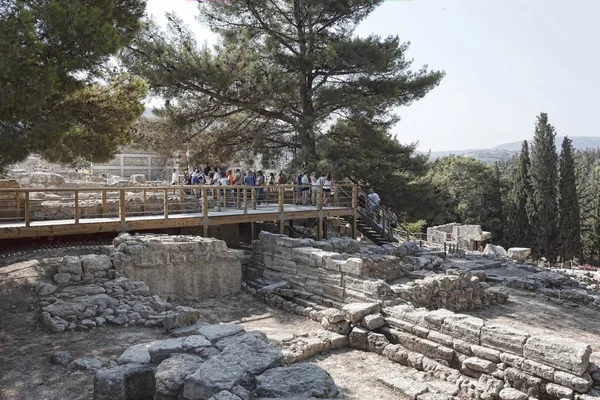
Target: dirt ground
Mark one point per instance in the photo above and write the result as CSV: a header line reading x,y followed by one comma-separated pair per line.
x,y
533,313
25,347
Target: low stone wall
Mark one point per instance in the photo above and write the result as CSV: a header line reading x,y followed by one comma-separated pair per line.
x,y
485,361
313,267
180,266
457,290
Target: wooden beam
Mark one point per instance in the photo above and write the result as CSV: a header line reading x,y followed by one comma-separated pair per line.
x,y
204,202
18,205
181,200
76,207
245,201
27,209
254,198
166,204
122,205
205,231
104,203
280,197
252,232
145,201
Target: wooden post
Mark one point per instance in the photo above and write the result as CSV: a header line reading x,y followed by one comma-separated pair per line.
x,y
166,204
181,200
324,228
218,189
445,247
27,208
281,209
205,231
320,199
122,204
104,204
334,189
252,231
245,201
77,206
254,198
320,229
18,205
205,203
145,202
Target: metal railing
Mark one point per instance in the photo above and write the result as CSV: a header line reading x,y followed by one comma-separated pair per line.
x,y
24,206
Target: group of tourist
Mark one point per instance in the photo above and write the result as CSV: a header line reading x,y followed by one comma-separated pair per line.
x,y
383,215
308,185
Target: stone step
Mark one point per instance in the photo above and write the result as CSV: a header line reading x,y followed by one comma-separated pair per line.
x,y
417,386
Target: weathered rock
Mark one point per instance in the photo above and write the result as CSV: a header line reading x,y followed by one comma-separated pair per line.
x,y
333,315
372,322
171,373
493,250
377,342
512,394
558,391
238,363
459,327
343,327
519,253
161,349
563,354
45,289
181,316
358,338
125,382
136,354
357,311
60,358
87,364
53,324
62,278
62,308
216,332
478,364
71,265
503,338
194,342
187,330
298,380
95,262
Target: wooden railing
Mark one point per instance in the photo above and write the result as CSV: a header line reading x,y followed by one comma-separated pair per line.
x,y
79,204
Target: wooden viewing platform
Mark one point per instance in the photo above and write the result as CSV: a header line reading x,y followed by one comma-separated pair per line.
x,y
23,213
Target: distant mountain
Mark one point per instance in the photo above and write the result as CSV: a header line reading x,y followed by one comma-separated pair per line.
x,y
507,150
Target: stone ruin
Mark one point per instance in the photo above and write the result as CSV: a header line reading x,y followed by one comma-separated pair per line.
x,y
398,301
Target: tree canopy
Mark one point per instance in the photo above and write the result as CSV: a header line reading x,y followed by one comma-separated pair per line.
x,y
53,55
282,75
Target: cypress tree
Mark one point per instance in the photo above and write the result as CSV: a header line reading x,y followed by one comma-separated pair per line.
x,y
520,227
543,208
568,206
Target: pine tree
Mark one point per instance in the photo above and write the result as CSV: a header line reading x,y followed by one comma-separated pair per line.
x,y
520,227
543,208
586,198
569,234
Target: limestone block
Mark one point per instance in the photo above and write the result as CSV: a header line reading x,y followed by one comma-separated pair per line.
x,y
512,360
493,250
70,265
138,178
357,311
217,332
486,353
358,338
503,338
377,342
512,394
299,380
136,354
162,349
479,364
45,289
558,391
302,255
519,253
372,322
434,350
440,338
342,328
579,384
526,383
491,385
352,266
130,381
180,316
62,278
563,354
171,374
93,262
396,353
333,315
467,329
537,369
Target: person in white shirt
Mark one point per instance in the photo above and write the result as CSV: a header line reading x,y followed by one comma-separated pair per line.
x,y
217,175
374,200
327,184
174,177
305,188
224,181
315,188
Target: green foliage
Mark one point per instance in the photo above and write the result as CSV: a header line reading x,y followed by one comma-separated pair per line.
x,y
49,51
543,210
519,232
281,75
568,206
467,191
417,226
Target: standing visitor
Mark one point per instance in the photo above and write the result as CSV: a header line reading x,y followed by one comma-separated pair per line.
x,y
250,182
238,180
174,177
206,170
373,200
305,188
217,174
271,179
327,184
315,188
260,182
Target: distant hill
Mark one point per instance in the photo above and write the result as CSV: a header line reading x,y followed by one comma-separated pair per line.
x,y
507,150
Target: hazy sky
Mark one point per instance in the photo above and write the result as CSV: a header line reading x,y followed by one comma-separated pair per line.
x,y
505,62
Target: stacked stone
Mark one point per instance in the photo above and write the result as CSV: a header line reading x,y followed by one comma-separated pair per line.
x,y
456,291
210,362
498,356
118,302
180,266
88,268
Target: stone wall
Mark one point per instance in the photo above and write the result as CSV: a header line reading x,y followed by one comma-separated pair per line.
x,y
180,266
320,269
457,290
483,360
